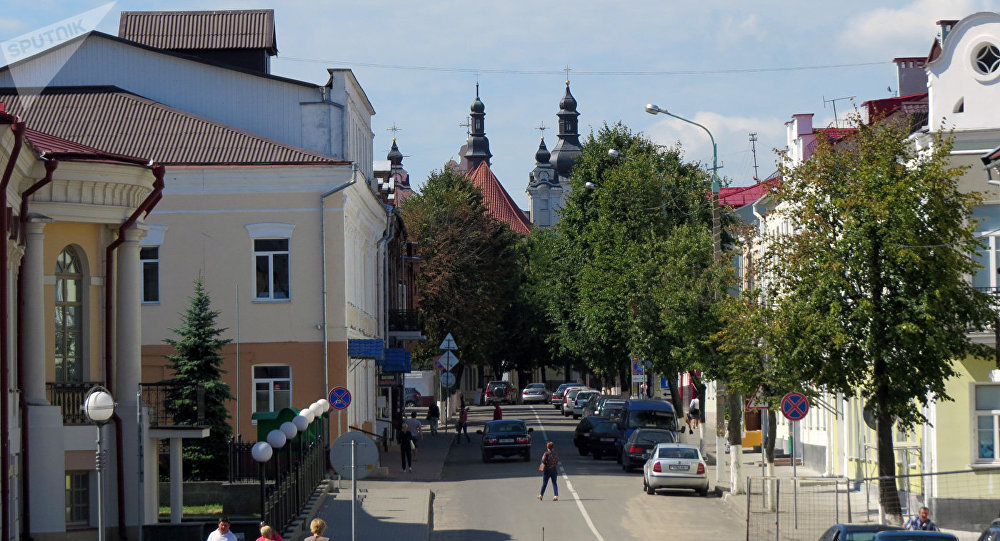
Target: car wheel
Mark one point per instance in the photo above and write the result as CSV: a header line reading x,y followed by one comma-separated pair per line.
x,y
527,456
583,450
619,459
703,492
486,457
646,487
597,455
625,466
575,416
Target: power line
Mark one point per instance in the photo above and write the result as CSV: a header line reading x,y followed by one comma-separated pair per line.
x,y
580,72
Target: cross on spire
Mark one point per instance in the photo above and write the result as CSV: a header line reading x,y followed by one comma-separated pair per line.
x,y
468,121
567,69
394,129
541,128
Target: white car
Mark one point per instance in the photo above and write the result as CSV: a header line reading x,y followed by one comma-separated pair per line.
x,y
581,400
535,392
675,465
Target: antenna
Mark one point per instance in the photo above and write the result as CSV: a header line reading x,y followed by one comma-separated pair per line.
x,y
753,150
467,125
836,121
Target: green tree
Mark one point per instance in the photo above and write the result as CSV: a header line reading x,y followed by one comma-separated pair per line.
x,y
871,288
196,365
469,272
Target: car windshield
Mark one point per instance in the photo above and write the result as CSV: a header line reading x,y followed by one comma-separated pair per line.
x,y
679,452
651,418
536,386
505,427
612,410
654,437
604,427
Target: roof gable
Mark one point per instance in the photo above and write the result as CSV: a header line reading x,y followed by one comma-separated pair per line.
x,y
178,30
499,204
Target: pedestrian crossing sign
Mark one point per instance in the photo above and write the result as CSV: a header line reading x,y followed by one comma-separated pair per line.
x,y
757,401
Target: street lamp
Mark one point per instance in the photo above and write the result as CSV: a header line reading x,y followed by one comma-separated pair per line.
x,y
261,453
99,407
720,417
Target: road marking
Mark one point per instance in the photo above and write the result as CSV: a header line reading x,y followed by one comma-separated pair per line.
x,y
569,485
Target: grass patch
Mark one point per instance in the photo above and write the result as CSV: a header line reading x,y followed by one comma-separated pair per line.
x,y
210,509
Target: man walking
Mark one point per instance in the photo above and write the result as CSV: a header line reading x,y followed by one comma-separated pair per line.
x,y
416,429
222,533
694,415
433,415
922,521
463,425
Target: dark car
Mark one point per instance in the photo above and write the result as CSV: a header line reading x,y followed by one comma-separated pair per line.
x,y
506,438
644,414
411,397
992,533
499,392
609,407
581,435
601,440
560,393
907,535
854,532
637,447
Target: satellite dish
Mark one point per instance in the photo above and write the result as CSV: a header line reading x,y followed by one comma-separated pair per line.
x,y
366,455
869,416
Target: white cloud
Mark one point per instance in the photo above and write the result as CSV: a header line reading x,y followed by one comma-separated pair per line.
x,y
905,31
739,27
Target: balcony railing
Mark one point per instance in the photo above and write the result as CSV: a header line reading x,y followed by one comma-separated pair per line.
x,y
404,320
155,397
69,395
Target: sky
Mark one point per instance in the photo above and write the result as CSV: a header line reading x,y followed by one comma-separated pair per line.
x,y
736,67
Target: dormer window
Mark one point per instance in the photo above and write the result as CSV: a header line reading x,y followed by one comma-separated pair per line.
x,y
987,59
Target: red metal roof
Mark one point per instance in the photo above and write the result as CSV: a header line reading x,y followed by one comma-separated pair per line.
x,y
119,122
498,201
738,196
879,109
835,134
179,30
64,149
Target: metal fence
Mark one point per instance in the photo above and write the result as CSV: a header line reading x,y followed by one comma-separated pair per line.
x,y
155,397
69,395
793,508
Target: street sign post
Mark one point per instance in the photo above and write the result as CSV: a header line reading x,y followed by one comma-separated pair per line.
x,y
339,398
448,343
447,379
447,360
757,401
794,406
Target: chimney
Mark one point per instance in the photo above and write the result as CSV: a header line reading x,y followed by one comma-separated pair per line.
x,y
945,27
911,78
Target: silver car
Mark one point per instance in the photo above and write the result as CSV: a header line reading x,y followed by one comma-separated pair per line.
x,y
581,399
675,465
570,400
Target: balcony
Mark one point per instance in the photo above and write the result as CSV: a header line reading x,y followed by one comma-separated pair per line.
x,y
155,397
405,325
69,395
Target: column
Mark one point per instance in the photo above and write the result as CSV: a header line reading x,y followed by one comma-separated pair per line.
x,y
34,312
176,481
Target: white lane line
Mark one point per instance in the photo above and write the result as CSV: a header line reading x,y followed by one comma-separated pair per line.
x,y
568,484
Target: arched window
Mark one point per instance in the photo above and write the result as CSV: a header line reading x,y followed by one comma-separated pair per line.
x,y
69,316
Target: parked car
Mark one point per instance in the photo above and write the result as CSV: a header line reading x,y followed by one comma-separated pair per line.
x,y
601,440
992,532
505,438
567,407
499,392
597,405
535,392
581,399
581,434
611,409
675,465
854,532
411,397
560,394
638,446
648,413
909,535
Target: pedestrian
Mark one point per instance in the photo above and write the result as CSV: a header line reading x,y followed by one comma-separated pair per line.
x,y
497,412
267,533
693,416
406,446
416,429
922,521
433,415
317,527
222,533
550,470
644,389
462,425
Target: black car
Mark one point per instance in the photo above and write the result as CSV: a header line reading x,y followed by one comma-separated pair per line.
x,y
609,407
601,440
581,435
506,438
411,397
854,532
637,447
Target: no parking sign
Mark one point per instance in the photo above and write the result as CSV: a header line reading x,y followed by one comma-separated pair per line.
x,y
340,398
794,406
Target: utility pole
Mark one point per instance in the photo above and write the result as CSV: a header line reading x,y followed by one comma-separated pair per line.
x,y
753,150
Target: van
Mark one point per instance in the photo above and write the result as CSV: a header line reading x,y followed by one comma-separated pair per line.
x,y
644,414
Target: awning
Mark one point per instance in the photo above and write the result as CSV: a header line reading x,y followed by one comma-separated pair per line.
x,y
396,360
365,348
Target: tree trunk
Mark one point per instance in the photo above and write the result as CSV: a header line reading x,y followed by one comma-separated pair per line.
x,y
735,405
772,433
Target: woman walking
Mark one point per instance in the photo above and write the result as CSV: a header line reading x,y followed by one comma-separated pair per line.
x,y
550,469
406,447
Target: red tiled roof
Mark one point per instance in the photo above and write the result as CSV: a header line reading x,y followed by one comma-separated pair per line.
x,y
179,30
737,196
497,200
835,134
878,109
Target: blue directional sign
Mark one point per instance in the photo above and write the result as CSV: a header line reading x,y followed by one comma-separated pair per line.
x,y
794,406
340,398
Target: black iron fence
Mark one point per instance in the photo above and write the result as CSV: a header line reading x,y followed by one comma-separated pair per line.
x,y
69,395
155,397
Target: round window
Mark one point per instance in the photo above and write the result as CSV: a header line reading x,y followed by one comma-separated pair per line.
x,y
987,59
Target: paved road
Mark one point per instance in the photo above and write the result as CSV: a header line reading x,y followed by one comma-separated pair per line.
x,y
597,500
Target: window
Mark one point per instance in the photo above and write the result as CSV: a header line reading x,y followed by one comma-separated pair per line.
x,y
149,258
272,388
987,58
987,416
77,498
68,317
271,269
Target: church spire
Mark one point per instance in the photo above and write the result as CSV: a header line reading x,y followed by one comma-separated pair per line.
x,y
478,150
567,148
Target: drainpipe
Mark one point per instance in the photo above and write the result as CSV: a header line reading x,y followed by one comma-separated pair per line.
x,y
18,129
383,243
50,167
322,238
147,205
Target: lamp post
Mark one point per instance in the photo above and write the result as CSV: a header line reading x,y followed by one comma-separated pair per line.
x,y
99,407
261,453
720,390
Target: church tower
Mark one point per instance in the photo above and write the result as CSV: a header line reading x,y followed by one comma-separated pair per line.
x,y
544,189
567,148
478,146
400,178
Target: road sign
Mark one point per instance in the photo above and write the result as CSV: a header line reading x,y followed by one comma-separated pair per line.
x,y
794,406
340,398
638,378
448,360
447,379
365,455
637,368
448,343
757,401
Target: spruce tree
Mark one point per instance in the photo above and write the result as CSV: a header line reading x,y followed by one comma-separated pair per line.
x,y
197,362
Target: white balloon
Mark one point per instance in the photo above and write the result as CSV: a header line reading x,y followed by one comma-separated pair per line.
x,y
325,403
300,423
261,451
308,414
317,410
276,439
289,429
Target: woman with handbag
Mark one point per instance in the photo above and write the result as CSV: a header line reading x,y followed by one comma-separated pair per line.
x,y
550,470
